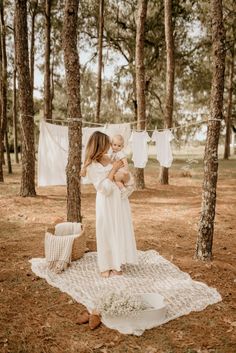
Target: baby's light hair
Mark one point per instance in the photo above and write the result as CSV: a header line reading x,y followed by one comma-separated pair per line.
x,y
119,137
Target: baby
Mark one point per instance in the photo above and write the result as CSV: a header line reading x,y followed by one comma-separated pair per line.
x,y
123,177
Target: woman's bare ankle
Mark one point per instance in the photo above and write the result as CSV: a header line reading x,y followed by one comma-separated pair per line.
x,y
105,274
116,273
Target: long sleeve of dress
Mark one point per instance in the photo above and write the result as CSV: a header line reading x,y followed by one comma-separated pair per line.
x,y
97,174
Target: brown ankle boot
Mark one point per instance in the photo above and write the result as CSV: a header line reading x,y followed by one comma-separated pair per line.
x,y
94,321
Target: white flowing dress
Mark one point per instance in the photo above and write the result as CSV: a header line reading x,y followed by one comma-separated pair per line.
x,y
114,230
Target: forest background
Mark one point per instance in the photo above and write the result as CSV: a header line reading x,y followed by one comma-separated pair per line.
x,y
166,217
193,62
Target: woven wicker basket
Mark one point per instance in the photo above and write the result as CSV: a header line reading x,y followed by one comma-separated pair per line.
x,y
79,244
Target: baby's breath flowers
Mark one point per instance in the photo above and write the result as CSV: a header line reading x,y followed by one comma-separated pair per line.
x,y
120,304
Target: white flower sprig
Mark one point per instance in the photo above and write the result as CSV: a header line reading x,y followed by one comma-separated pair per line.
x,y
120,304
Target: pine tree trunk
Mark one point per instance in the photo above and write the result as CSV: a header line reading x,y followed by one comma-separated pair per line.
x,y
1,154
100,45
47,71
34,7
206,224
72,68
134,96
3,70
4,87
2,122
14,114
25,100
52,81
229,108
170,79
140,80
9,166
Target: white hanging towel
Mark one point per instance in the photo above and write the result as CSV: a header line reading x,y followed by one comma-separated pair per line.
x,y
139,148
163,147
52,154
119,129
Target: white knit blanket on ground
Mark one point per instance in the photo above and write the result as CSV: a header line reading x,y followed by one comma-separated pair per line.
x,y
153,273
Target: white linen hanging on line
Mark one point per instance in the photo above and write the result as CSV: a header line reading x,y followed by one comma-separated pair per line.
x,y
163,147
53,150
52,154
139,145
119,129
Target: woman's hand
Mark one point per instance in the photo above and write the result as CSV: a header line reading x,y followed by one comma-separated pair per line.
x,y
117,165
83,172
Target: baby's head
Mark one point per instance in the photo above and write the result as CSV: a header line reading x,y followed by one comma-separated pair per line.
x,y
117,143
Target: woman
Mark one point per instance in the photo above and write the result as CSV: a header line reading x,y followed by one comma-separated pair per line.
x,y
114,230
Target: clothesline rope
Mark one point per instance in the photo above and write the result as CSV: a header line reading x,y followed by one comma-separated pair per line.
x,y
66,151
54,138
136,122
171,128
131,123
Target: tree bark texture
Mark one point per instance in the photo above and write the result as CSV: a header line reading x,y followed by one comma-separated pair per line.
x,y
134,94
14,106
47,56
71,59
9,166
100,47
3,63
52,80
170,78
206,224
25,100
1,159
34,9
4,86
140,80
1,117
229,107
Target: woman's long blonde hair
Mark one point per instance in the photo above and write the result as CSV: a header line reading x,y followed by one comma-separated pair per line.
x,y
98,144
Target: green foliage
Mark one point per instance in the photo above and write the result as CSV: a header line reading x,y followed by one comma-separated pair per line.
x,y
192,32
111,108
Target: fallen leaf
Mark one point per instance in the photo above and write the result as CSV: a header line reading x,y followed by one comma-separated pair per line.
x,y
150,349
230,329
98,345
104,350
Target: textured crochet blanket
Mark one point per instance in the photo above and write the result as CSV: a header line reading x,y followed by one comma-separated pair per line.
x,y
153,273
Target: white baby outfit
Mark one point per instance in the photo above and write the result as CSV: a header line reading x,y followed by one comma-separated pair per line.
x,y
139,142
129,186
117,156
114,230
163,147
